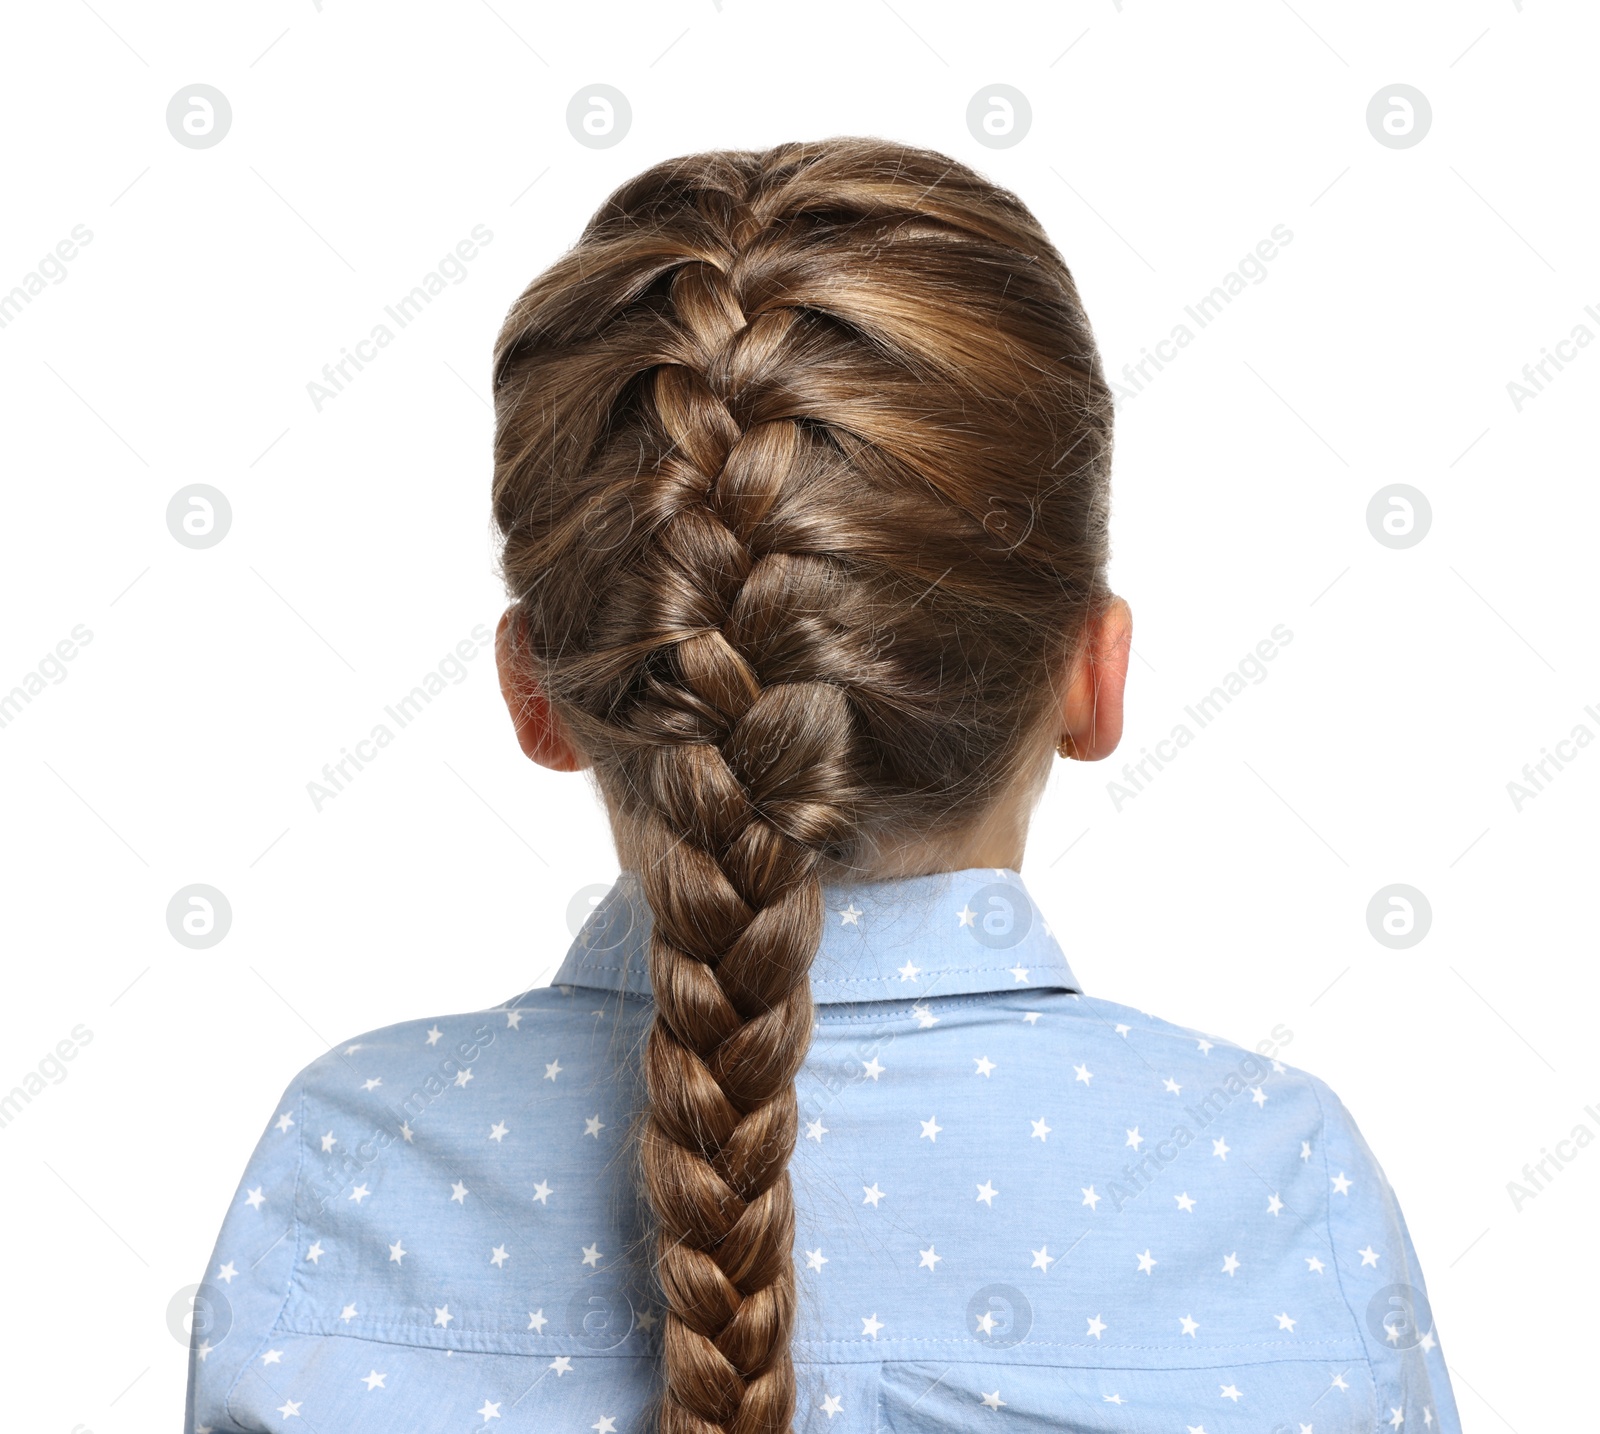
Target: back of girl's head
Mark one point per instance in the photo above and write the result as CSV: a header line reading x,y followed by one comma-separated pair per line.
x,y
801,470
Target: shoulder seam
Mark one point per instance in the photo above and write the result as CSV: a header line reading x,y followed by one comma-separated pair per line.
x,y
1333,1249
299,1104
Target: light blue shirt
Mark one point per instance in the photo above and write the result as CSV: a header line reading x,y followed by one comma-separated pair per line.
x,y
1018,1207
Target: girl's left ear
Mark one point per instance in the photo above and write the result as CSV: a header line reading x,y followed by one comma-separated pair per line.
x,y
540,733
1091,710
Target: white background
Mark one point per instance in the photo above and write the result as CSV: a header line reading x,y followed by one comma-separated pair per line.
x,y
1167,139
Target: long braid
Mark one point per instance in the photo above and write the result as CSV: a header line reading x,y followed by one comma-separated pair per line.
x,y
798,551
747,804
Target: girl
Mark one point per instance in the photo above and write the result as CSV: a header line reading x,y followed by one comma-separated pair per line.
x,y
801,474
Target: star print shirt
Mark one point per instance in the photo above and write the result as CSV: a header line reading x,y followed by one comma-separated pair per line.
x,y
1016,1204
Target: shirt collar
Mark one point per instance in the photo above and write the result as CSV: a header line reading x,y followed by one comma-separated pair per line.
x,y
953,933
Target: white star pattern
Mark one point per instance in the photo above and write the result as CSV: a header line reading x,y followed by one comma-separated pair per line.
x,y
1281,1232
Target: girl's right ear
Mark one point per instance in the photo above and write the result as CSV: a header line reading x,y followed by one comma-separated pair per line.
x,y
540,732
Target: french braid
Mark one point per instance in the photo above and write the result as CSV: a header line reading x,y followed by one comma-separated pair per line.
x,y
800,474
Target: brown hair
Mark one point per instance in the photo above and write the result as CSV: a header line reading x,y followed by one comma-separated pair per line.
x,y
801,468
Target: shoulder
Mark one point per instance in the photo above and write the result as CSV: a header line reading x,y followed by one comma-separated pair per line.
x,y
388,1148
1284,1157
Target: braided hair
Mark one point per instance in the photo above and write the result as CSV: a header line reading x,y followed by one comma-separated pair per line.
x,y
801,467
